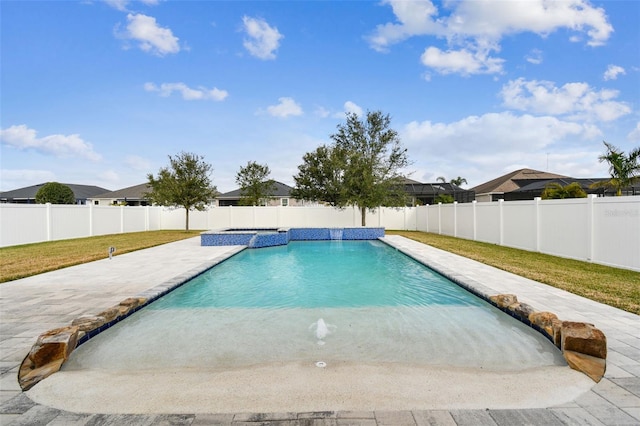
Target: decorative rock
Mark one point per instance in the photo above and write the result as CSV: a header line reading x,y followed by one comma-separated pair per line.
x,y
556,325
133,302
504,300
47,355
54,344
544,321
522,310
593,367
583,338
29,377
88,322
110,314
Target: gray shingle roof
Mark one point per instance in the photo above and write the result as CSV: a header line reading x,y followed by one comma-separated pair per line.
x,y
281,190
132,192
80,192
508,182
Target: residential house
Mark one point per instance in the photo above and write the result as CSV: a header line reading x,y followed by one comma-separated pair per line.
x,y
502,187
281,196
527,184
27,195
426,193
130,196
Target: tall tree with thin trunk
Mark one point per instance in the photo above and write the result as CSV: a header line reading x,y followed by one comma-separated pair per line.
x,y
362,168
255,185
624,169
185,183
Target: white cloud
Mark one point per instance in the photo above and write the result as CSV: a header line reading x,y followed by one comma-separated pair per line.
x,y
634,135
461,61
24,138
151,37
137,163
491,133
414,18
285,108
19,178
577,100
349,107
322,112
534,57
188,94
353,108
109,176
483,19
263,40
612,72
121,5
474,28
479,148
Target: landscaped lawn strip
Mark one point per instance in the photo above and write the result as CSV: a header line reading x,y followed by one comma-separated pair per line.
x,y
32,259
612,286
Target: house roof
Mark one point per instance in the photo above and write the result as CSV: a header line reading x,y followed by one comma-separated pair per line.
x,y
131,193
80,192
585,184
281,190
418,188
514,181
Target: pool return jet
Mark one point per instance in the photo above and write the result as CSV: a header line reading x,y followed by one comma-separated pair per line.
x,y
322,330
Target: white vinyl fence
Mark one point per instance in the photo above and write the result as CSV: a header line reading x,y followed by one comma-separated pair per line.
x,y
600,230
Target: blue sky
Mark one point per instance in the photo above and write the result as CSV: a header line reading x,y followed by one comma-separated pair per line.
x,y
101,92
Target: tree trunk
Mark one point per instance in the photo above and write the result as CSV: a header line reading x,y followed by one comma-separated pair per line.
x,y
186,226
363,215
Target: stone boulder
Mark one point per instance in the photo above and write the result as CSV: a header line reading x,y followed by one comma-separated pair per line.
x,y
544,321
583,338
128,305
504,300
521,310
47,355
592,366
110,314
88,322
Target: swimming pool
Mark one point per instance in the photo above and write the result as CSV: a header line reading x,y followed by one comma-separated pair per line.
x,y
332,302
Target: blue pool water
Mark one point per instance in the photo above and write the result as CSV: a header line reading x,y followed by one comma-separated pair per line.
x,y
331,301
327,274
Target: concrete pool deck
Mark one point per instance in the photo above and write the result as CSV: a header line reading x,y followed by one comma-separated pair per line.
x,y
33,305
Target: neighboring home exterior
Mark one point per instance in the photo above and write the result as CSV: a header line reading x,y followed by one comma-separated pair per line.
x,y
131,196
425,193
535,189
527,184
503,187
27,195
280,197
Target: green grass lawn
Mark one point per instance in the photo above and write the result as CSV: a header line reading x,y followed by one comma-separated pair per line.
x,y
613,286
31,259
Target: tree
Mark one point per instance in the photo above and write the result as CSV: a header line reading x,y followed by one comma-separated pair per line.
x,y
185,183
320,176
443,198
556,191
361,168
55,193
254,185
457,181
624,169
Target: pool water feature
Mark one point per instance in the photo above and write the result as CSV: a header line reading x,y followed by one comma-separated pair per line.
x,y
366,302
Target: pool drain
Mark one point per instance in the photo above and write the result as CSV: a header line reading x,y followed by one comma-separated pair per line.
x,y
321,364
